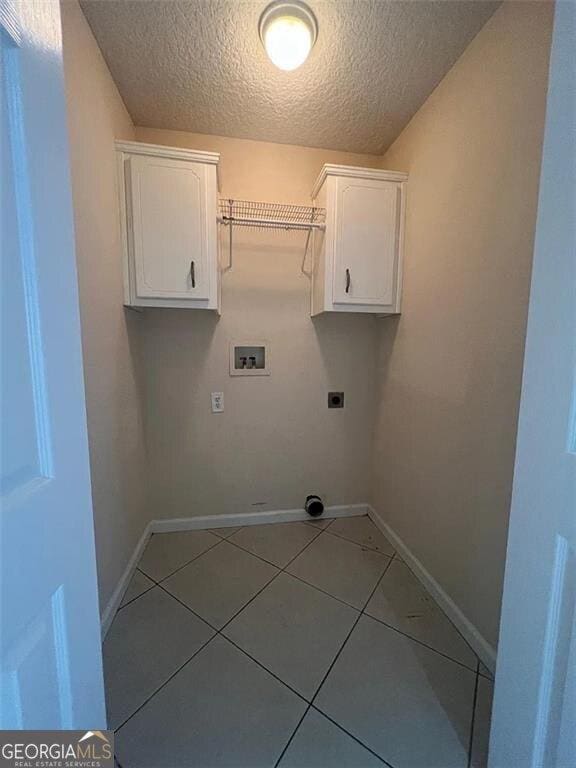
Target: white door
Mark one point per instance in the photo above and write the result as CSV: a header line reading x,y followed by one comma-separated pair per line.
x,y
168,203
534,714
366,241
50,656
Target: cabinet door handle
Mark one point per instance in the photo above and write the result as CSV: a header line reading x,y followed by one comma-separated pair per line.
x,y
192,274
347,281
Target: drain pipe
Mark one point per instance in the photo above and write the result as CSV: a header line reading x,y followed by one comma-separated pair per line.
x,y
314,505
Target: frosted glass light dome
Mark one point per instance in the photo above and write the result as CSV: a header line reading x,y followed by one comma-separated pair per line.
x,y
288,31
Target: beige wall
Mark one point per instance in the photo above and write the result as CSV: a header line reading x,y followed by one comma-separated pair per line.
x,y
276,440
96,115
450,368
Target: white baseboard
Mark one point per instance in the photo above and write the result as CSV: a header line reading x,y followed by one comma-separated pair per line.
x,y
252,518
212,521
469,631
114,603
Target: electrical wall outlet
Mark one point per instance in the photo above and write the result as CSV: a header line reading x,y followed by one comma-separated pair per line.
x,y
335,399
217,402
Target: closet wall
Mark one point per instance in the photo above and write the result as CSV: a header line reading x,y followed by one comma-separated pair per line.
x,y
450,367
276,440
113,378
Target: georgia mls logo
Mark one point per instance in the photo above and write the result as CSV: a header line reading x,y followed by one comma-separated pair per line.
x,y
56,749
105,747
89,734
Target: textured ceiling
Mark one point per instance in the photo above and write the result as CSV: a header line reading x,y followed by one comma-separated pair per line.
x,y
199,66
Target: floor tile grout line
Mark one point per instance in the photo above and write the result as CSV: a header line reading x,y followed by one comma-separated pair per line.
x,y
269,562
299,578
258,557
154,584
420,642
219,541
294,732
124,605
349,733
183,604
187,607
157,690
442,611
213,546
225,528
284,569
360,614
324,592
473,718
335,659
272,674
247,603
396,557
280,570
244,651
351,541
232,642
311,703
265,668
485,675
222,538
339,726
216,629
219,632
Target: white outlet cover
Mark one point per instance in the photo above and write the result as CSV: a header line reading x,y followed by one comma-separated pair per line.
x,y
217,402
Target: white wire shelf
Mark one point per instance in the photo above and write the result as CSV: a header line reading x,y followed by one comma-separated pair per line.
x,y
247,213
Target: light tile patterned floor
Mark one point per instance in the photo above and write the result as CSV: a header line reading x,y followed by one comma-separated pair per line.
x,y
301,645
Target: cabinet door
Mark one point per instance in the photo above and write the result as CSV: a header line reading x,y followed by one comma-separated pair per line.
x,y
366,242
169,227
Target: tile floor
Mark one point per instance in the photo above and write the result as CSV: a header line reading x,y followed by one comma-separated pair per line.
x,y
299,645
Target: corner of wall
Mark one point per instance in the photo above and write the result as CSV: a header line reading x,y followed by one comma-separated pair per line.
x,y
111,339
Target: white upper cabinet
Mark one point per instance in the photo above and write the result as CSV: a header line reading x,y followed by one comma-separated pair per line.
x,y
168,201
358,259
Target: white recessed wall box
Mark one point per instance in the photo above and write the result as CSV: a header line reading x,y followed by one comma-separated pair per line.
x,y
249,358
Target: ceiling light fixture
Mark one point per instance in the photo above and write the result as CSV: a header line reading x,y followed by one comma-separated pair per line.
x,y
288,30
